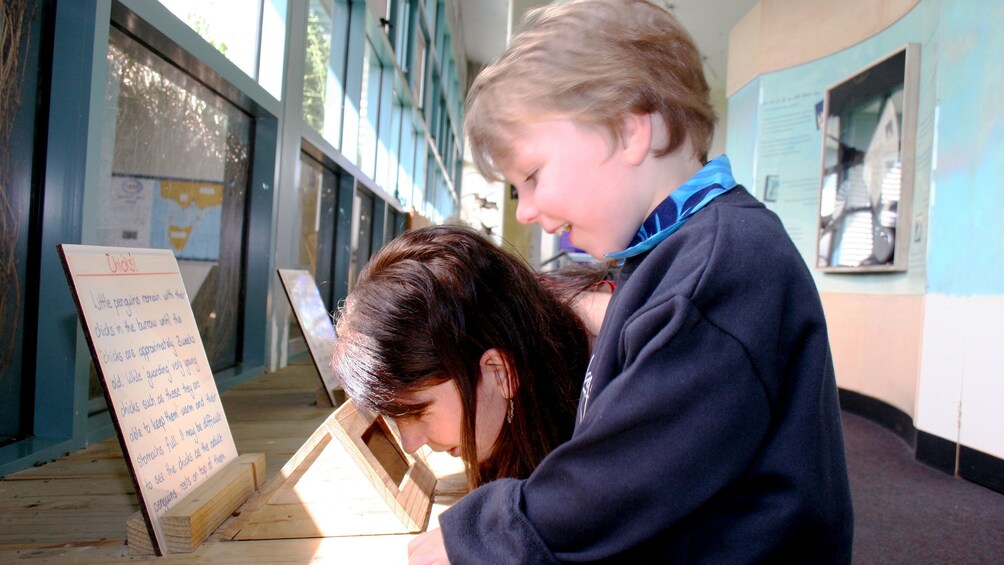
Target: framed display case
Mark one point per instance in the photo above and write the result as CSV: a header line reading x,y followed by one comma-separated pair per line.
x,y
869,145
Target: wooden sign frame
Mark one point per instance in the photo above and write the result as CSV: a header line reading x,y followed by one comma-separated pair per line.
x,y
195,517
158,385
316,326
350,478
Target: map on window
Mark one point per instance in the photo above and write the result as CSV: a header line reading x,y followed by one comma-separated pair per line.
x,y
181,215
186,218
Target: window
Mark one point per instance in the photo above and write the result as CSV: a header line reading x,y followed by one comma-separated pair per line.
x,y
438,18
362,235
318,201
324,73
416,68
429,205
430,9
381,10
402,23
419,185
20,37
369,111
390,150
176,176
390,225
253,39
406,178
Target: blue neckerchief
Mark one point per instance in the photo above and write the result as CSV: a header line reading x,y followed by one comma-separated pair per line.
x,y
712,181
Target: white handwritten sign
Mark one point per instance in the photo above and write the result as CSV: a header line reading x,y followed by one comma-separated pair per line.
x,y
315,323
154,371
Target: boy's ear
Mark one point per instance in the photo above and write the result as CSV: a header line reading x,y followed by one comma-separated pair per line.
x,y
636,137
495,369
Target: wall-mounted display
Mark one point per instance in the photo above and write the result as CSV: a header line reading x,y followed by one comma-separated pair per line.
x,y
869,138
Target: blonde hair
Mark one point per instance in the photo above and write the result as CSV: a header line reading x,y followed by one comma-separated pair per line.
x,y
594,62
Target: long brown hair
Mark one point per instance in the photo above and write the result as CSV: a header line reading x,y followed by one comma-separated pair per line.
x,y
425,309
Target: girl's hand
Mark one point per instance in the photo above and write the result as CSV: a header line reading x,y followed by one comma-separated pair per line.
x,y
591,307
428,549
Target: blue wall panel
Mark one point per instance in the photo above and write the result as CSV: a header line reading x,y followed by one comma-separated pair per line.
x,y
966,250
740,144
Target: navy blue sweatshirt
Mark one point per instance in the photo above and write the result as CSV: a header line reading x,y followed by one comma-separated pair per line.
x,y
708,428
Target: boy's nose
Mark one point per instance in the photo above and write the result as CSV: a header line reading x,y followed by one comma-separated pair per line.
x,y
526,209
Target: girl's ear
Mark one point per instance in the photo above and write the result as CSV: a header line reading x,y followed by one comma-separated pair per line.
x,y
495,372
636,137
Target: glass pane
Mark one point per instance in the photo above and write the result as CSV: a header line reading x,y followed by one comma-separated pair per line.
x,y
429,203
440,22
402,33
419,184
430,9
311,176
235,33
387,165
327,37
369,111
17,138
318,200
273,46
175,176
401,224
362,235
379,8
862,169
406,179
390,226
416,72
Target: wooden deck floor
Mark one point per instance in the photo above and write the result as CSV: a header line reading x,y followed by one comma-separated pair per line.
x,y
74,509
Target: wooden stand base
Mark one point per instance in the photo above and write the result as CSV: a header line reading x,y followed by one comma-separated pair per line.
x,y
351,478
190,522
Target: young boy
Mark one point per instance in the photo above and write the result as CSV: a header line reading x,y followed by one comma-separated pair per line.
x,y
708,429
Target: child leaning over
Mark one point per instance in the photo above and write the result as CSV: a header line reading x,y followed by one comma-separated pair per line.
x,y
434,336
708,429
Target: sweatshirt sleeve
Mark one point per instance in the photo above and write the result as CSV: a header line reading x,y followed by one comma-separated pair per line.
x,y
683,419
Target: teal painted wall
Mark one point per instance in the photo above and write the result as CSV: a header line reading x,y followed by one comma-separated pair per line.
x,y
740,143
966,249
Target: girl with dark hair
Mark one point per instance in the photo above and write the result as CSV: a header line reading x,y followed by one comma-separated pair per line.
x,y
466,349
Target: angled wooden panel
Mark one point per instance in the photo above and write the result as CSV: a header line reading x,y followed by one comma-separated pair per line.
x,y
351,477
316,326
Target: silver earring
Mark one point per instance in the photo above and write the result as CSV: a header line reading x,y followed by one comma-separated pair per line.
x,y
512,408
